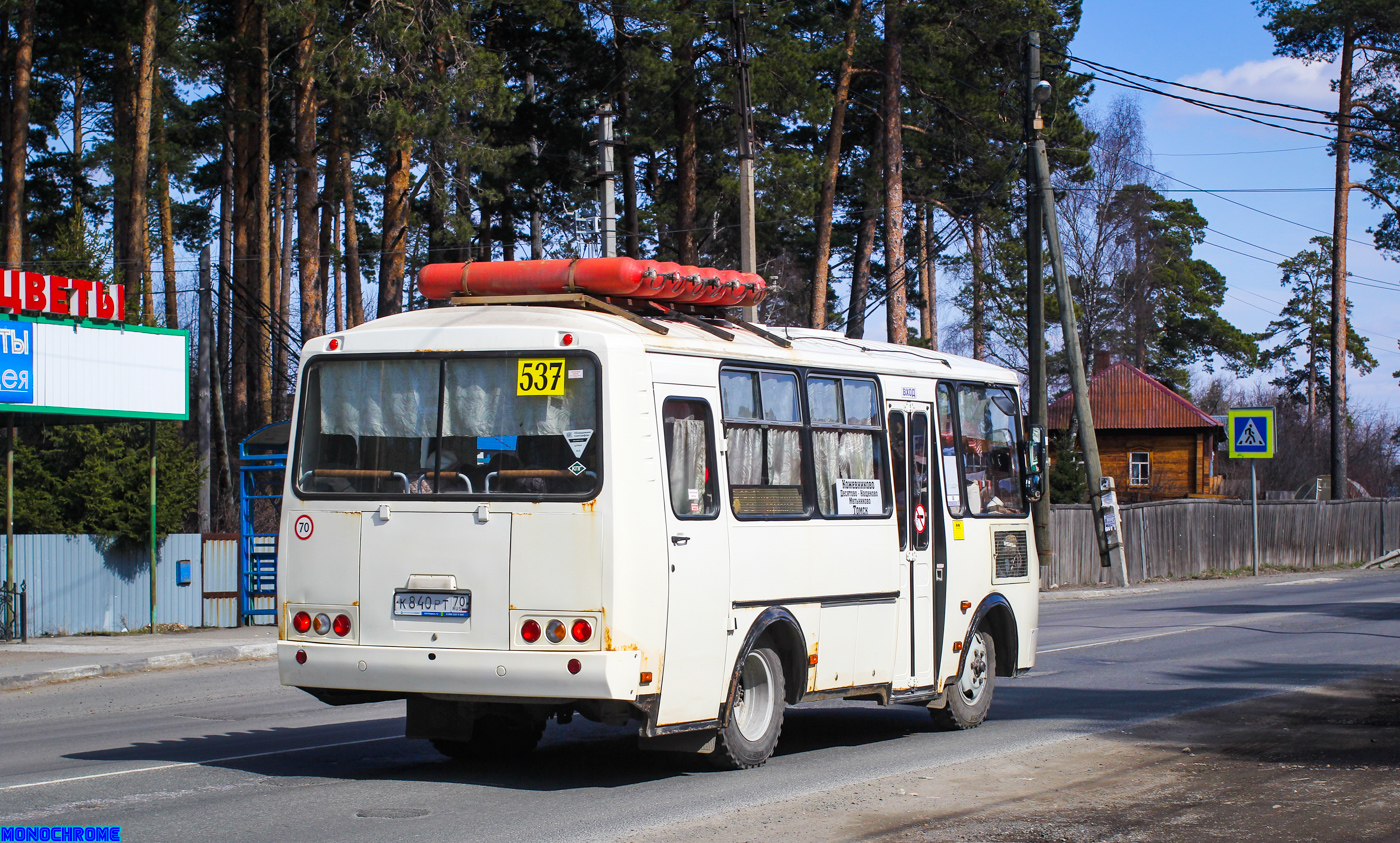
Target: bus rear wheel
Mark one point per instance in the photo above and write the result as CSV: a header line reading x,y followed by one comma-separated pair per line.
x,y
494,738
756,717
967,702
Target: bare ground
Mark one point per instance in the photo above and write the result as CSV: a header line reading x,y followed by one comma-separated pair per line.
x,y
1316,765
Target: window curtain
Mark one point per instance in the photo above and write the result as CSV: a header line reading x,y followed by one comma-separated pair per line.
x,y
481,401
841,454
687,466
822,401
384,398
784,456
745,456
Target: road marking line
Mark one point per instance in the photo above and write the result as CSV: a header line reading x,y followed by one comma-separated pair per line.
x,y
178,764
1125,640
1301,582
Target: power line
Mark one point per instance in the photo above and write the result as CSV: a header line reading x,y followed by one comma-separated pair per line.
x,y
1243,152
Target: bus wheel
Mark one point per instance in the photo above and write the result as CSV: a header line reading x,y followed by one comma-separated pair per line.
x,y
968,700
756,718
493,738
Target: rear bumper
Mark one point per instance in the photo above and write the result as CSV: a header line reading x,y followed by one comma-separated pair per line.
x,y
491,673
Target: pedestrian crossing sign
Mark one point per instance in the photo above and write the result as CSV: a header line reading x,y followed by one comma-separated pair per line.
x,y
1251,433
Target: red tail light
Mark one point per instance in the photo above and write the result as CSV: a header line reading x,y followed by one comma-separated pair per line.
x,y
341,625
582,631
530,631
575,665
301,657
301,622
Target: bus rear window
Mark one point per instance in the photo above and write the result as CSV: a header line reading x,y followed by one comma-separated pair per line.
x,y
511,426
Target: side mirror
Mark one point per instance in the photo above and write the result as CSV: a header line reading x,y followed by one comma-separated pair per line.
x,y
1034,454
1037,450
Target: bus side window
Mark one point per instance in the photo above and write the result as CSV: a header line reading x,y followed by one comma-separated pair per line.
x,y
690,454
763,423
847,445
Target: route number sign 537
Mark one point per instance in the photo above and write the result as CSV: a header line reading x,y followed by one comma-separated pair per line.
x,y
540,377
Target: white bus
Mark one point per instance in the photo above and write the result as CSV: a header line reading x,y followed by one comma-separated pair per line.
x,y
506,514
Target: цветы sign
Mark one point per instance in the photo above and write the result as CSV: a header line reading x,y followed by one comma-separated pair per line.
x,y
59,296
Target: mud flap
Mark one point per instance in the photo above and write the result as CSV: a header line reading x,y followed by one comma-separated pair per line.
x,y
701,742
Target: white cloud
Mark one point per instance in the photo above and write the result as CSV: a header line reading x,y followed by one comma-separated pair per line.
x,y
1278,79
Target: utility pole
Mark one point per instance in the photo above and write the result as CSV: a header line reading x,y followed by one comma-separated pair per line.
x,y
607,199
1110,546
206,344
748,245
536,223
1035,292
1341,194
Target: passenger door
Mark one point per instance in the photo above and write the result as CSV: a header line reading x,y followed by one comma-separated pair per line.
x,y
697,544
910,443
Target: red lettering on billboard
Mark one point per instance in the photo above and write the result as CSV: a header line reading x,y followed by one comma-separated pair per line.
x,y
58,294
106,308
61,296
9,290
82,296
34,290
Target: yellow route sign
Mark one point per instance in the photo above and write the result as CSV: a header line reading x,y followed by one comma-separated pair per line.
x,y
540,376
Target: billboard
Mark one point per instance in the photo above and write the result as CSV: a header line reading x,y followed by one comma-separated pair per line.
x,y
93,369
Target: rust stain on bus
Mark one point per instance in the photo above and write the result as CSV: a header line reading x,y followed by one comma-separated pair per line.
x,y
587,506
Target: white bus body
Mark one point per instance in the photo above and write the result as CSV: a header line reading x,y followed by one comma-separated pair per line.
x,y
854,510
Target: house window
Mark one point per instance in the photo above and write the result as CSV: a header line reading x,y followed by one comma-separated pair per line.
x,y
1139,468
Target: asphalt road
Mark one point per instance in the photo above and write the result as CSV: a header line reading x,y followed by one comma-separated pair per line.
x,y
226,753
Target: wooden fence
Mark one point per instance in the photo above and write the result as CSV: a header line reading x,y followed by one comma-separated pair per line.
x,y
1179,538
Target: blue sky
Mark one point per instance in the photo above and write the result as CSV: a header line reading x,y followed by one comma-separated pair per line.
x,y
1223,45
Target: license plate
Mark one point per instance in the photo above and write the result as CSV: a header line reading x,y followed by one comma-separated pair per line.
x,y
428,604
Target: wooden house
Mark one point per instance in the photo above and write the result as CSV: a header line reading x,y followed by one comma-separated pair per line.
x,y
1152,442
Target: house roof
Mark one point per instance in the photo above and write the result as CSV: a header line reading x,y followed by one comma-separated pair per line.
x,y
1124,397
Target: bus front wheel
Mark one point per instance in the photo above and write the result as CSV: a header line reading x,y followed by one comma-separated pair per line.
x,y
967,701
756,717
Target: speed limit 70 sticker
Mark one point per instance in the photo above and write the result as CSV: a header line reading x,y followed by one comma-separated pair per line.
x,y
303,527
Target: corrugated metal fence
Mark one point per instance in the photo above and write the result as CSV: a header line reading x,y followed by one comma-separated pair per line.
x,y
1179,538
77,586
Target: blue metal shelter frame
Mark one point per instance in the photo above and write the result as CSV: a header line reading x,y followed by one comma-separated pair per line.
x,y
262,457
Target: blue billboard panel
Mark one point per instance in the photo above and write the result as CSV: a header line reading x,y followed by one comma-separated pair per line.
x,y
16,363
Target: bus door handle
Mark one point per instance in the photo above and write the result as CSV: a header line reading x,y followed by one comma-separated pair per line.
x,y
680,540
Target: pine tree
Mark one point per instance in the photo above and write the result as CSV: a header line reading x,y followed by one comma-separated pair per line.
x,y
1303,326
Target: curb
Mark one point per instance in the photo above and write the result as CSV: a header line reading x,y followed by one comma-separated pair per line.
x,y
217,655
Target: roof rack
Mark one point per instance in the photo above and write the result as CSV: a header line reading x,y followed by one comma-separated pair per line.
x,y
641,312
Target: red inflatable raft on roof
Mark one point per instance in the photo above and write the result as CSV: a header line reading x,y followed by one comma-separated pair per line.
x,y
627,277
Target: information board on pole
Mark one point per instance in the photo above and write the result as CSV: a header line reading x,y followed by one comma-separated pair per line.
x,y
1251,433
86,368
